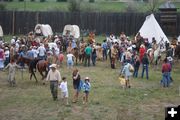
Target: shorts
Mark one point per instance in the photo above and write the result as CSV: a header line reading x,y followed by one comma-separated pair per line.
x,y
64,94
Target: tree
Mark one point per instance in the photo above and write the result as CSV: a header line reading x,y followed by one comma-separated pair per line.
x,y
75,5
153,4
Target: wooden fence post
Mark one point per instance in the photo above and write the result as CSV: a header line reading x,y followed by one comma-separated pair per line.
x,y
13,23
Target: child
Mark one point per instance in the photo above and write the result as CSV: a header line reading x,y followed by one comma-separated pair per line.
x,y
64,90
12,68
86,89
127,74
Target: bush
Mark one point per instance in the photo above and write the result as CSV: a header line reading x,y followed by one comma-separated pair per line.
x,y
91,1
74,5
32,0
21,0
61,0
42,0
2,6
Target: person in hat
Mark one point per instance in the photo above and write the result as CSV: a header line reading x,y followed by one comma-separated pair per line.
x,y
86,89
54,77
127,73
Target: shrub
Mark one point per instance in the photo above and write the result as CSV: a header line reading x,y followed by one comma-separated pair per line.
x,y
21,0
32,0
74,5
61,0
42,0
91,1
2,6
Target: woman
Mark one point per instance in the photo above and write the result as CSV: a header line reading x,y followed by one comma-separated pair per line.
x,y
76,84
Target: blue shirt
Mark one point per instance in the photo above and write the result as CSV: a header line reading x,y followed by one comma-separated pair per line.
x,y
104,45
86,86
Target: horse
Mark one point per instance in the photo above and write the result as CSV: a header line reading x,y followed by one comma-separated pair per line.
x,y
42,66
31,63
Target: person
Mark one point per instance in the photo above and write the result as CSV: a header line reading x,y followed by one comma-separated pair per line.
x,y
145,64
41,52
113,56
7,56
61,57
93,57
136,66
12,71
142,51
76,84
166,68
88,52
2,57
127,74
54,77
86,90
104,47
49,59
70,61
64,90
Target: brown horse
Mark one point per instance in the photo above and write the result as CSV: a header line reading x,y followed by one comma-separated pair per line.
x,y
42,66
31,63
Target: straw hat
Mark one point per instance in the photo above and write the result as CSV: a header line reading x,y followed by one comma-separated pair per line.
x,y
86,78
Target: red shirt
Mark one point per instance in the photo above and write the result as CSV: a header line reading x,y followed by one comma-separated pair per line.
x,y
166,67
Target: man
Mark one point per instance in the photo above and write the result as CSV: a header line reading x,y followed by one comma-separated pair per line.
x,y
88,52
42,52
113,56
54,77
104,47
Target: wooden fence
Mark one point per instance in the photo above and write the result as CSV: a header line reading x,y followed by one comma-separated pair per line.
x,y
21,22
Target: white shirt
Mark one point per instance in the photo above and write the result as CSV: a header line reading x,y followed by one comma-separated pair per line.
x,y
63,86
41,51
6,53
53,76
35,53
70,57
13,41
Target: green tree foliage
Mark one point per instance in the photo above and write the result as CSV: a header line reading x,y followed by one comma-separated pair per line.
x,y
61,0
74,5
2,6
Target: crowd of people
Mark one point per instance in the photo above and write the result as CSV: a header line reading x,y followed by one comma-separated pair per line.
x,y
135,53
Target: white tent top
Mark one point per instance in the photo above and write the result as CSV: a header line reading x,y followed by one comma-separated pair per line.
x,y
1,31
151,28
73,29
45,29
179,38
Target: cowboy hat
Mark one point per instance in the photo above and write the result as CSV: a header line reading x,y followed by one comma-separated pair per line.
x,y
86,78
53,66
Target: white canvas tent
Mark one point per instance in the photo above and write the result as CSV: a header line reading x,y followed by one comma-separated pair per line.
x,y
1,31
45,29
151,28
73,30
179,38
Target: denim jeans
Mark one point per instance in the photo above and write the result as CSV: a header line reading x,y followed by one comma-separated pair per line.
x,y
135,74
166,79
104,54
145,67
54,89
87,59
93,58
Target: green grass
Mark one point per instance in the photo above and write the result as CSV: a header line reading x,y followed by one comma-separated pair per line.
x,y
146,99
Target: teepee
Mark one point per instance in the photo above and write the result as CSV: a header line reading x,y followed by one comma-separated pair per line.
x,y
151,28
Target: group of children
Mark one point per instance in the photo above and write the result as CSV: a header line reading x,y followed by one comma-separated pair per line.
x,y
85,87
